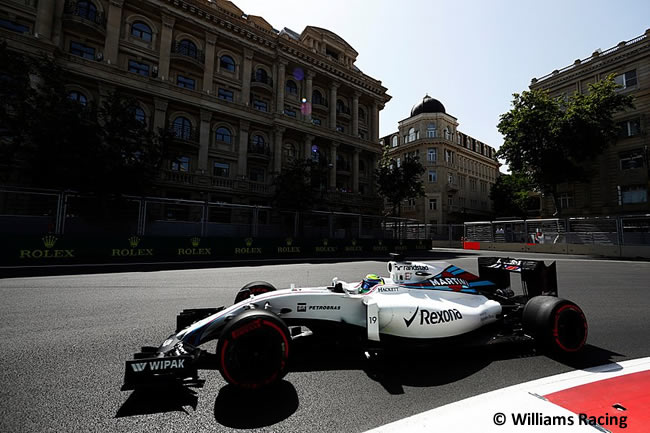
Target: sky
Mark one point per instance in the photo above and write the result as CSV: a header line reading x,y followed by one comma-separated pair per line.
x,y
471,55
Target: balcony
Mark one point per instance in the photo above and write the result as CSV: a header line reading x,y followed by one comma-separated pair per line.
x,y
342,110
222,182
178,177
320,103
263,81
85,13
189,53
259,150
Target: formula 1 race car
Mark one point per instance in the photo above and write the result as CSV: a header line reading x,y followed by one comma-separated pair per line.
x,y
418,304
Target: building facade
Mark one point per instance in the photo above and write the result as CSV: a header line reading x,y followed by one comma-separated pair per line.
x,y
459,170
619,180
242,99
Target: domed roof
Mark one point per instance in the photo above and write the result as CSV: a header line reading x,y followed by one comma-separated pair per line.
x,y
428,105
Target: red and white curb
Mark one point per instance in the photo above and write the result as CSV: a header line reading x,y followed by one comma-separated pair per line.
x,y
609,398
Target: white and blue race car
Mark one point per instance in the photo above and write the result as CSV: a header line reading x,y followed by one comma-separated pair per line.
x,y
417,304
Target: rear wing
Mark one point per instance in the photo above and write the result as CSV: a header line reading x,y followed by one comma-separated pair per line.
x,y
536,278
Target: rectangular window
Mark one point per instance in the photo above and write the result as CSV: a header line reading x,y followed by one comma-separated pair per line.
x,y
221,169
473,203
290,112
433,176
182,164
260,105
185,82
450,178
256,175
449,156
566,200
472,184
81,50
399,162
461,181
139,68
432,154
627,79
634,194
631,160
629,128
226,95
433,204
461,201
14,27
450,200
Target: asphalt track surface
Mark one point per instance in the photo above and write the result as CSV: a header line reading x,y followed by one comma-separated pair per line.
x,y
65,340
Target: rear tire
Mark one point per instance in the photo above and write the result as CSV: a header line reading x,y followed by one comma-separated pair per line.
x,y
254,288
558,325
253,350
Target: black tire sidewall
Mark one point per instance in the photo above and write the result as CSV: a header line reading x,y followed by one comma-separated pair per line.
x,y
540,320
253,288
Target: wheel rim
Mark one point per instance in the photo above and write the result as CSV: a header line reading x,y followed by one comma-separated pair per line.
x,y
570,328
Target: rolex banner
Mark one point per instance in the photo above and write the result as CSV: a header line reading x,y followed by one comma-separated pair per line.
x,y
49,249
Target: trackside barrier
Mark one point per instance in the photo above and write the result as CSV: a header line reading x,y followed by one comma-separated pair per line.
x,y
574,249
51,249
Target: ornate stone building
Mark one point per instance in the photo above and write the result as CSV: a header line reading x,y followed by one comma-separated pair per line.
x,y
242,98
619,177
459,170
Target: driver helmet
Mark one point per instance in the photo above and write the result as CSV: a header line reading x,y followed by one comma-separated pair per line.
x,y
369,282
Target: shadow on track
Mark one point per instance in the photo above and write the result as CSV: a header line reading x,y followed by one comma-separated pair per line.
x,y
148,401
255,409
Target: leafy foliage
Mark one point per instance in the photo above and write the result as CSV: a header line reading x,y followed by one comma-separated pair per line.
x,y
549,140
301,184
396,184
52,141
511,194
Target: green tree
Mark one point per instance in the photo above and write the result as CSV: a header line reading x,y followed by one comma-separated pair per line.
x,y
549,141
396,184
300,185
511,194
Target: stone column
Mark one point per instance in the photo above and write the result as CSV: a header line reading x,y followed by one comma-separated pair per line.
x,y
307,149
208,70
277,149
375,122
44,19
160,114
355,114
246,77
243,149
332,184
355,170
165,46
57,26
279,94
113,28
309,89
333,87
204,140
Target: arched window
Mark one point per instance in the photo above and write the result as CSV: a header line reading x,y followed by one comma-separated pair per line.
x,y
340,106
227,63
188,48
362,166
142,31
292,88
86,9
362,114
447,133
78,97
182,128
412,135
317,98
140,115
395,141
289,152
223,135
431,130
261,75
315,153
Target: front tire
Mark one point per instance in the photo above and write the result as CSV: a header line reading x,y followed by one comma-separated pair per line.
x,y
253,350
254,288
558,325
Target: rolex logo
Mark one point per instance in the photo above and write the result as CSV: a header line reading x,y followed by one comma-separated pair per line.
x,y
325,242
289,242
381,242
134,241
248,241
354,242
195,241
49,241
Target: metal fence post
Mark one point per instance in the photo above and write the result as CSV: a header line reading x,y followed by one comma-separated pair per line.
x,y
64,211
59,214
255,220
296,224
204,218
331,225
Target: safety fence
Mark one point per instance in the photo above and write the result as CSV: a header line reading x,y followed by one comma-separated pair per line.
x,y
621,230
